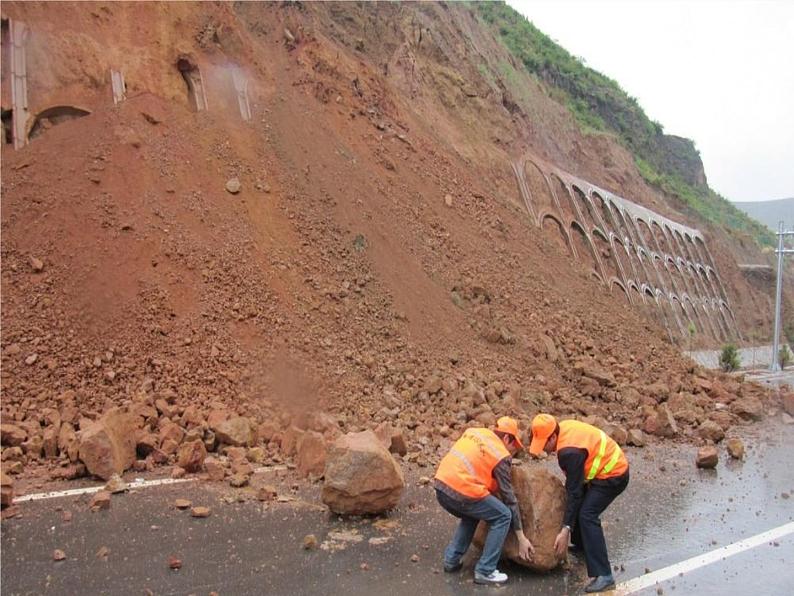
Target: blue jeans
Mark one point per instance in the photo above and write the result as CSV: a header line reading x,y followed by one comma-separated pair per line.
x,y
490,510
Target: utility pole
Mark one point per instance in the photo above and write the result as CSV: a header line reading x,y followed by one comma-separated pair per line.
x,y
775,365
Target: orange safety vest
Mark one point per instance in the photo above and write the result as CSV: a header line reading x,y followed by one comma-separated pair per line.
x,y
605,458
468,467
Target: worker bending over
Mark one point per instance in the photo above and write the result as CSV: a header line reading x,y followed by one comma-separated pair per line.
x,y
475,469
596,472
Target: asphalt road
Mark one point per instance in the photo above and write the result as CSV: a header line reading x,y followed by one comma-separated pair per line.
x,y
670,512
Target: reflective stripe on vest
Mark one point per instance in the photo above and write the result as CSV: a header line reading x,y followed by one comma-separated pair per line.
x,y
598,446
602,448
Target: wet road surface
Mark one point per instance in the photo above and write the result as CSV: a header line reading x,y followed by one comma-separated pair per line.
x,y
670,512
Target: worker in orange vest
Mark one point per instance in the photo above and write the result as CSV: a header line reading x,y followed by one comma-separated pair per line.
x,y
475,469
596,472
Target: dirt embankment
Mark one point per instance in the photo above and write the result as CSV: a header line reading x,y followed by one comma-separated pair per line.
x,y
375,265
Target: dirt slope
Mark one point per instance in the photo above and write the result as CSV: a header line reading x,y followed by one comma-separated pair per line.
x,y
376,263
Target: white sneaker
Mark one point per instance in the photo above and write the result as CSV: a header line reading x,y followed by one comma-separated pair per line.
x,y
495,577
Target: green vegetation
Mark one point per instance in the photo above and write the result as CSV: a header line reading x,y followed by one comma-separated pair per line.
x,y
599,105
705,202
784,356
729,358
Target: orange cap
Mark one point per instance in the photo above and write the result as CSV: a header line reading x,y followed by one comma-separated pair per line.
x,y
543,426
510,426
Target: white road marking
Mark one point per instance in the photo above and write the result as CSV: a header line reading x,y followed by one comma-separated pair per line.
x,y
87,490
651,579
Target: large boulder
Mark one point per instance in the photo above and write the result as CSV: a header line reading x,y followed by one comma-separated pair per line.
x,y
361,476
541,499
107,446
748,408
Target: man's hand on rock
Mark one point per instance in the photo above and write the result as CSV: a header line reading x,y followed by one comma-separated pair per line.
x,y
525,548
561,542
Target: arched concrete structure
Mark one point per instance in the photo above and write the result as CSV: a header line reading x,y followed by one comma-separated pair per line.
x,y
657,263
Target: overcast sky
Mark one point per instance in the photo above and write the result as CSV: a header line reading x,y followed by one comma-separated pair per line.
x,y
720,72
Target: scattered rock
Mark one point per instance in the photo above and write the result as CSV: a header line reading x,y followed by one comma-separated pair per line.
x,y
200,512
266,493
748,408
174,563
215,469
107,446
414,558
100,500
191,456
182,503
238,480
311,454
310,542
58,555
36,264
707,457
735,448
711,431
6,490
233,186
236,431
12,436
361,477
103,553
115,485
448,200
636,437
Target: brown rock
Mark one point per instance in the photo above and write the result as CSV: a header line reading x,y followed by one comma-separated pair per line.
x,y
70,472
256,455
661,423
748,408
215,470
58,555
616,433
361,476
309,542
191,456
6,490
238,480
200,512
11,436
289,442
237,431
541,500
266,493
178,472
50,441
171,431
311,454
100,500
707,457
36,264
636,437
107,447
115,485
174,563
787,400
735,448
68,443
711,431
182,503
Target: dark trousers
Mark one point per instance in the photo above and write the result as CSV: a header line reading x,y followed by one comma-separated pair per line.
x,y
587,532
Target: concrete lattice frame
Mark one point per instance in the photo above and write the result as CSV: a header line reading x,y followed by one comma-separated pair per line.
x,y
659,264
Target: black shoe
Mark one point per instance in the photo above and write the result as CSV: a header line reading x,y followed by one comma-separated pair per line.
x,y
452,568
575,549
601,584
